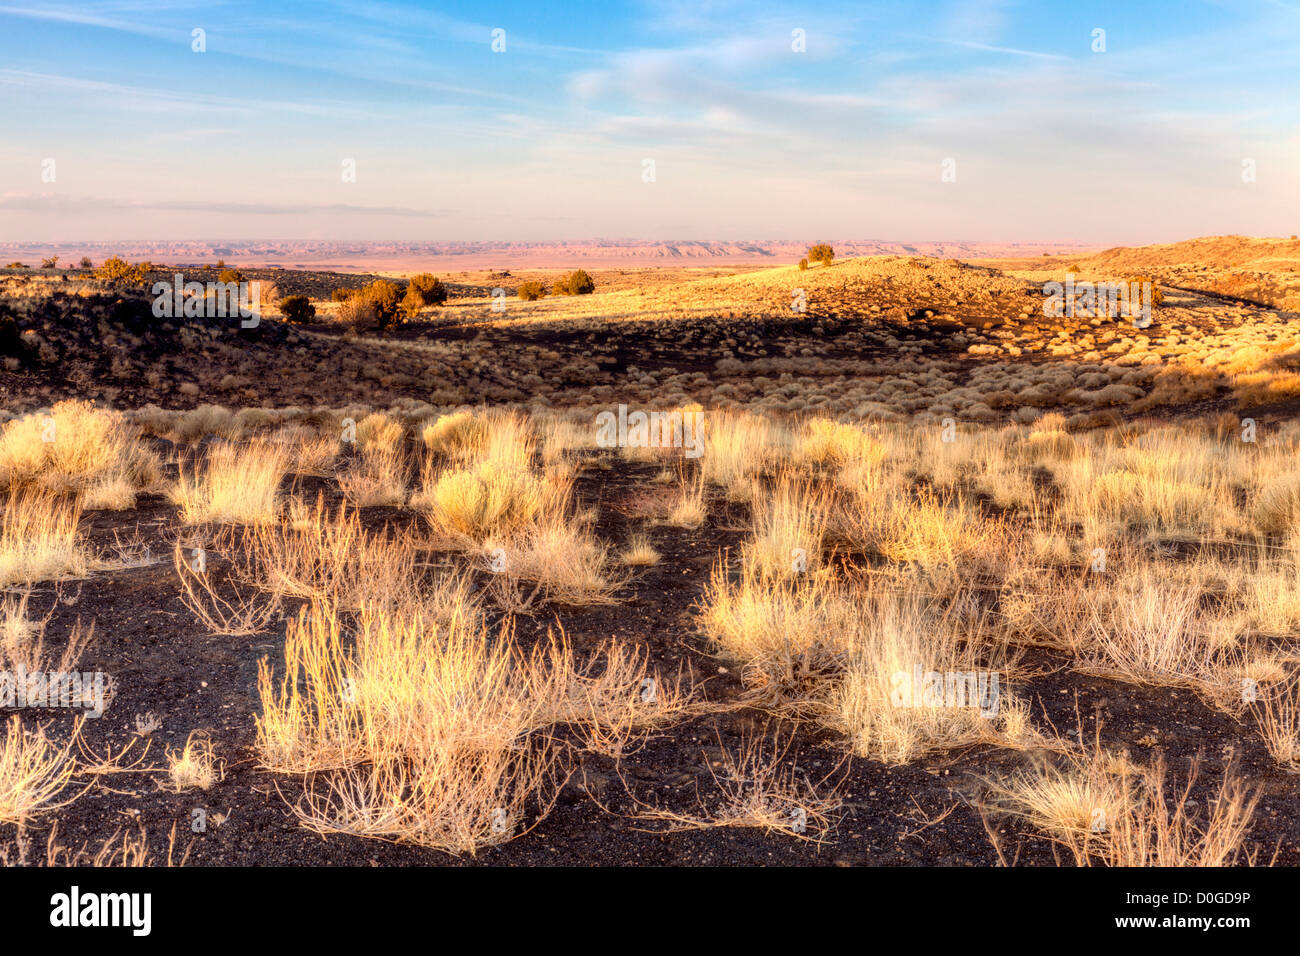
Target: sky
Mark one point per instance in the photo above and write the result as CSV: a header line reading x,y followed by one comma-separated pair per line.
x,y
702,119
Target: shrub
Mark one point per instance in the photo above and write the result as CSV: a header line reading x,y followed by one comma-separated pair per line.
x,y
233,484
1157,297
359,314
86,263
426,289
580,283
17,265
821,253
233,276
386,297
117,271
297,309
530,291
803,265
342,295
50,263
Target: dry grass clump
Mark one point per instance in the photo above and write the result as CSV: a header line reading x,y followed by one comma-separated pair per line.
x,y
200,422
824,442
492,498
613,699
926,530
78,449
377,476
310,452
473,438
789,528
1143,627
38,540
435,732
737,447
1070,796
327,556
690,506
233,484
561,557
757,788
1164,482
22,640
242,615
194,765
899,676
454,433
916,679
1277,504
1105,810
34,772
561,438
492,488
380,431
639,552
1277,717
787,634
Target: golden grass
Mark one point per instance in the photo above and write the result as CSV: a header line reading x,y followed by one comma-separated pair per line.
x,y
1140,626
918,679
39,542
437,732
22,640
492,498
1106,810
638,552
453,433
242,615
78,449
326,555
786,635
737,448
789,529
561,557
836,444
194,766
376,477
1276,711
757,788
233,484
34,773
690,507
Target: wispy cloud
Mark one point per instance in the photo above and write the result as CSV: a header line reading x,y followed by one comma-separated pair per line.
x,y
53,203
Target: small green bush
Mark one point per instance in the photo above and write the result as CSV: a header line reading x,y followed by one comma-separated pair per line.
x,y
233,276
531,290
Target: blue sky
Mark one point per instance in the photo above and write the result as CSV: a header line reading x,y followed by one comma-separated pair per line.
x,y
749,138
